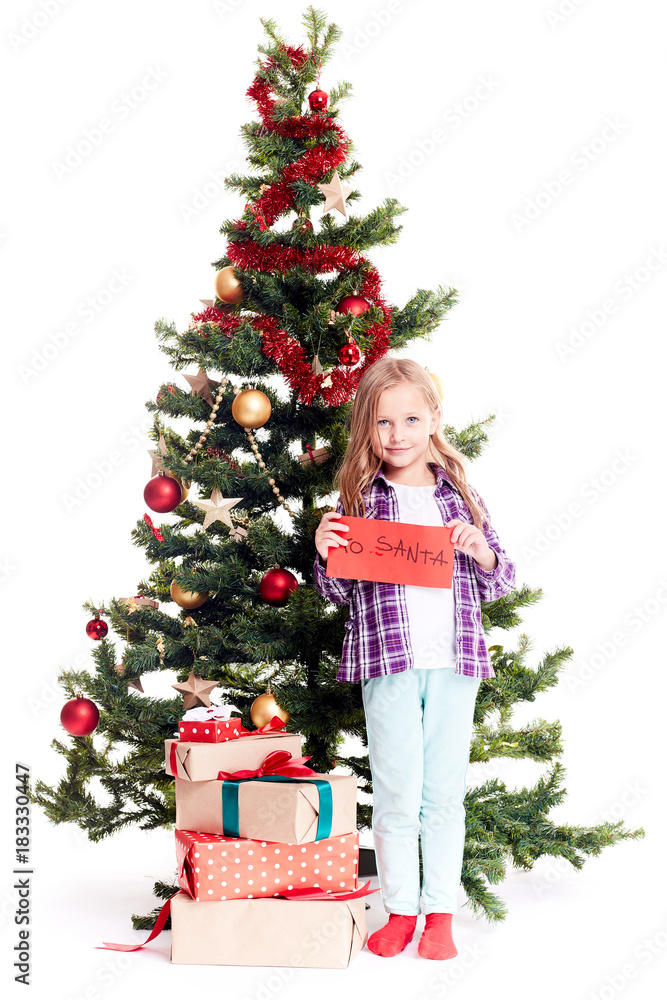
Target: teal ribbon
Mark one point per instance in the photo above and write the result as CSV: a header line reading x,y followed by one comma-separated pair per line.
x,y
230,803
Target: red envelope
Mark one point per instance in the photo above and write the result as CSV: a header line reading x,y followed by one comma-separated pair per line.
x,y
393,552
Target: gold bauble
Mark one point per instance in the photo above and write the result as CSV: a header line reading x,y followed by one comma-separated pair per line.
x,y
264,708
228,288
251,408
184,491
187,599
439,385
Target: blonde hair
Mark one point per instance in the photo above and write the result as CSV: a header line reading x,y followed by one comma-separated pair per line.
x,y
360,464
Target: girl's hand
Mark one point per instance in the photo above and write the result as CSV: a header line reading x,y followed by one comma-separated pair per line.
x,y
471,540
326,536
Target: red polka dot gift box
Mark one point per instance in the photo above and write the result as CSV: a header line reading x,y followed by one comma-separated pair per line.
x,y
210,730
210,725
216,868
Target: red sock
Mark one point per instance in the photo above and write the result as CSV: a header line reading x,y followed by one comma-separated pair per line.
x,y
436,941
394,936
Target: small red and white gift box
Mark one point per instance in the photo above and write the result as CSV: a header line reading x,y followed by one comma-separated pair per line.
x,y
209,725
215,868
212,731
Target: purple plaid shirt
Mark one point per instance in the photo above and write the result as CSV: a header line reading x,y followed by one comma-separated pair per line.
x,y
377,638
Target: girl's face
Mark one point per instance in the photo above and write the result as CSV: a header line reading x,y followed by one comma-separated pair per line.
x,y
402,431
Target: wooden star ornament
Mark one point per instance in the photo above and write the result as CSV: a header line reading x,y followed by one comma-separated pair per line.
x,y
133,682
195,691
335,194
202,385
157,455
217,508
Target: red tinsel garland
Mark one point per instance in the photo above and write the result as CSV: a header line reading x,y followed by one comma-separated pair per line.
x,y
246,254
210,315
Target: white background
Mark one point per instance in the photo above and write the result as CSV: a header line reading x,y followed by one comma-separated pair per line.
x,y
572,474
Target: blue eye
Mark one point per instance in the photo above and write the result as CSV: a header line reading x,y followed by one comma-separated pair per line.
x,y
413,418
383,421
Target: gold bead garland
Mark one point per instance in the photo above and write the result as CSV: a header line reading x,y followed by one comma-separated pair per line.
x,y
272,483
209,423
196,448
262,464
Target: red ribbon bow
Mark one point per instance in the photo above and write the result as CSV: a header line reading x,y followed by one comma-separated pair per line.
x,y
309,449
277,762
156,531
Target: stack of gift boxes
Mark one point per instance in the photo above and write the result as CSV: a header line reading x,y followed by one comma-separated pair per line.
x,y
267,850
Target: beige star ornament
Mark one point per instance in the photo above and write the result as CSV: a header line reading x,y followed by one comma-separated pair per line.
x,y
157,455
335,193
195,691
217,508
133,682
202,385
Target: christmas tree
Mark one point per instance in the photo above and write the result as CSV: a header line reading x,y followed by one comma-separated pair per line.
x,y
272,363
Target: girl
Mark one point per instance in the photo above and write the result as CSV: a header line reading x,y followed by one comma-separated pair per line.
x,y
418,652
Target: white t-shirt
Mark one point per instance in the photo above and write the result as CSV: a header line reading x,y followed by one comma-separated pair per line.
x,y
431,613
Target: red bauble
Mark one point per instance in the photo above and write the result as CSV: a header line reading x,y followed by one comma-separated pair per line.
x,y
349,354
353,304
276,586
318,100
96,628
80,716
163,493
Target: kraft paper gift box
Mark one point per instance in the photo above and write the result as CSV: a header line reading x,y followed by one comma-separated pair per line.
x,y
214,868
202,761
296,933
295,811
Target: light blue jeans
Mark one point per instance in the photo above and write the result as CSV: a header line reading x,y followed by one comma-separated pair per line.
x,y
419,726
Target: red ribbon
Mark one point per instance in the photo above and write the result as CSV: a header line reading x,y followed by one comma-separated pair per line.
x,y
159,924
257,212
277,762
314,893
296,894
156,531
268,727
173,764
309,449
